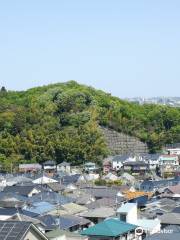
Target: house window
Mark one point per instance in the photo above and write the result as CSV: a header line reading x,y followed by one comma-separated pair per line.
x,y
123,217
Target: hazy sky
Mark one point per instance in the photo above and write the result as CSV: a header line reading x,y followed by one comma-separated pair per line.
x,y
126,47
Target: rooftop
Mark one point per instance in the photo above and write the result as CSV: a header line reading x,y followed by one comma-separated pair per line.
x,y
102,212
109,228
126,207
12,230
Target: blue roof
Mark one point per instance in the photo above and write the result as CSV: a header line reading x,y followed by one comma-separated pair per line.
x,y
48,220
109,228
40,207
149,185
66,222
6,195
12,211
141,200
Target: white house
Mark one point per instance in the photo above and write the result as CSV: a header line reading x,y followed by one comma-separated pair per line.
x,y
173,151
90,167
64,167
49,166
117,161
128,213
168,160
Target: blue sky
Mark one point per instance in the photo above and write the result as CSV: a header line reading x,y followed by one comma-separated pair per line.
x,y
126,47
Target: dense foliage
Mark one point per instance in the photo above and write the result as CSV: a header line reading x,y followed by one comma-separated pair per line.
x,y
61,122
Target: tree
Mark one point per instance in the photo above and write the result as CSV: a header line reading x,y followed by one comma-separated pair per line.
x,y
3,89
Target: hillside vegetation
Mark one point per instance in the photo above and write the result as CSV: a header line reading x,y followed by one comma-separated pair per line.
x,y
61,122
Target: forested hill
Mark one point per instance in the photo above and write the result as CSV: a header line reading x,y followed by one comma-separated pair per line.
x,y
61,122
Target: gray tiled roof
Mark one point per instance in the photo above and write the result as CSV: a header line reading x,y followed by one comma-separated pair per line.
x,y
104,202
56,187
169,233
170,218
102,192
21,190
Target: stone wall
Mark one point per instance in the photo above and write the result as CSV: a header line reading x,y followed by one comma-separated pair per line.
x,y
120,143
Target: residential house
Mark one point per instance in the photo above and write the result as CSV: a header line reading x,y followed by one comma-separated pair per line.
x,y
170,219
70,179
39,207
169,165
111,229
68,209
173,151
136,167
58,234
84,198
49,222
49,167
152,160
44,180
99,192
27,191
103,202
157,207
168,160
30,167
98,214
152,185
79,223
168,233
119,160
73,208
10,199
55,187
90,167
50,197
21,217
64,167
128,213
172,191
69,223
14,180
138,197
6,213
19,230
